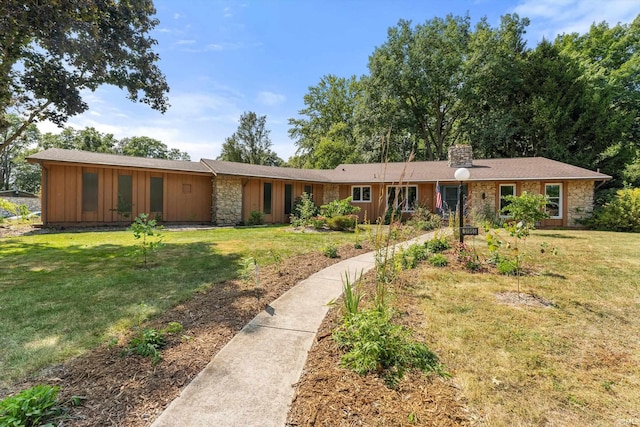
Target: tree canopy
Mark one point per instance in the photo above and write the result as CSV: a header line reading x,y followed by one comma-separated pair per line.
x,y
250,143
50,51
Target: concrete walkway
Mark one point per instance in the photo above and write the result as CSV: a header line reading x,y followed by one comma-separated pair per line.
x,y
250,381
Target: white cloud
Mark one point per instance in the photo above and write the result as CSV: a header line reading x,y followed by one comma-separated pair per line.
x,y
177,16
184,42
227,12
552,17
270,99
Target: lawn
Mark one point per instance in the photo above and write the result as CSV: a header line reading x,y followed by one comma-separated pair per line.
x,y
576,362
63,294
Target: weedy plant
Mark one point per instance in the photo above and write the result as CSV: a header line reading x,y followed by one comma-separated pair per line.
x,y
36,406
330,250
147,232
438,260
149,341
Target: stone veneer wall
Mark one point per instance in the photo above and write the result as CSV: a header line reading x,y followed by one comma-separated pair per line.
x,y
226,206
531,187
477,203
579,201
330,193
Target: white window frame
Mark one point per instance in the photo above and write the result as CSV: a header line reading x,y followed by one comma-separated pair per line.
x,y
500,196
559,197
405,189
361,200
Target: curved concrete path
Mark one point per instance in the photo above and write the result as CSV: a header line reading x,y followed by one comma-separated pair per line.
x,y
250,381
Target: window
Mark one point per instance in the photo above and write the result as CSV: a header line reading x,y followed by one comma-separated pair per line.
x,y
125,191
309,190
89,192
266,206
156,194
361,194
506,190
288,199
404,198
554,203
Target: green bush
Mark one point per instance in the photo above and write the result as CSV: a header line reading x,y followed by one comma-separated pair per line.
x,y
621,213
339,208
375,344
438,260
330,251
342,222
303,210
148,343
425,220
255,218
318,222
437,244
410,257
507,267
32,407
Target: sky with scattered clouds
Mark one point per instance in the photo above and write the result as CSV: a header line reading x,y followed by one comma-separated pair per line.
x,y
223,58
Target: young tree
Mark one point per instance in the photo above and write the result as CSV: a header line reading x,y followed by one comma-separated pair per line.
x,y
250,143
50,51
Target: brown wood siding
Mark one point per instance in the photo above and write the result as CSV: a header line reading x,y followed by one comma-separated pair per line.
x,y
64,195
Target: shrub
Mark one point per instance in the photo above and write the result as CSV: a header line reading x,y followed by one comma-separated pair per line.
x,y
410,257
425,220
32,407
622,213
148,343
339,208
342,222
468,257
375,344
318,222
437,244
303,210
330,251
255,218
438,260
507,267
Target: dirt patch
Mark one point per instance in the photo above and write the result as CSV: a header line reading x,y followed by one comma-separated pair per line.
x,y
125,390
523,300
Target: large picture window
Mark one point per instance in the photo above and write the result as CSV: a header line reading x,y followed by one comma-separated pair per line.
x,y
403,198
89,192
554,200
125,195
156,191
506,190
361,193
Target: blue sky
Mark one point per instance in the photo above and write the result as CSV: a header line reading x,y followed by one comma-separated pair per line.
x,y
222,58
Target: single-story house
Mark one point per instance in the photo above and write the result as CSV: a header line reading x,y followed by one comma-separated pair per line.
x,y
92,188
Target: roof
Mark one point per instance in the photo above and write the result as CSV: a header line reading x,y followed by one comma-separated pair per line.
x,y
88,157
220,167
520,169
517,169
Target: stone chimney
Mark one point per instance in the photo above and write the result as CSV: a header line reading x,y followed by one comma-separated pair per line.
x,y
460,156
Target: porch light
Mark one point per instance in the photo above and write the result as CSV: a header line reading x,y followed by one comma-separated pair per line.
x,y
461,174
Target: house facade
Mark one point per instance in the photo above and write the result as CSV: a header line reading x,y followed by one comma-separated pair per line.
x,y
82,188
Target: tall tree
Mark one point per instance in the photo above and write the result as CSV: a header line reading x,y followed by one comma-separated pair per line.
x,y
12,155
250,143
328,135
416,84
143,146
50,51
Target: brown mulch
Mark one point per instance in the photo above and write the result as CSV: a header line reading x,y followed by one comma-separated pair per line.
x,y
329,395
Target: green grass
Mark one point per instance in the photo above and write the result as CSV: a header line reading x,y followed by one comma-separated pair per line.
x,y
576,363
62,294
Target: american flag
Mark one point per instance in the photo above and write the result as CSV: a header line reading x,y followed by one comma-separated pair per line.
x,y
438,196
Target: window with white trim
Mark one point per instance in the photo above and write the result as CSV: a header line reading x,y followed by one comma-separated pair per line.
x,y
554,200
506,190
404,198
361,193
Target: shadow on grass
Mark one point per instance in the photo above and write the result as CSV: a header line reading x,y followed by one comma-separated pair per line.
x,y
57,302
558,236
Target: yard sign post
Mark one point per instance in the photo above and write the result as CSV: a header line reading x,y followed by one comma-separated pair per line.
x,y
461,174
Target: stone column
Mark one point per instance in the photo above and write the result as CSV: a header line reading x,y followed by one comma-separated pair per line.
x,y
226,206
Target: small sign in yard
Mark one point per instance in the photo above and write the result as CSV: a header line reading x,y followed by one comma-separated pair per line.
x,y
469,231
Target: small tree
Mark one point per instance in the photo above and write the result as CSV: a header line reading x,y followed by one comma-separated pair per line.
x,y
148,232
524,211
